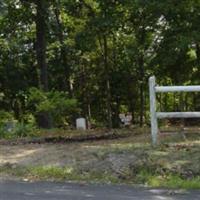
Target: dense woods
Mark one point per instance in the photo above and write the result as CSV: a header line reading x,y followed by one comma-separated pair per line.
x,y
61,59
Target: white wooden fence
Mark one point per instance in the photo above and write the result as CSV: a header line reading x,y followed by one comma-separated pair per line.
x,y
153,89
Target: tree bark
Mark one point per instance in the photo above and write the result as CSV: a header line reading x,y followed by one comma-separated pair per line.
x,y
141,71
63,51
41,42
43,118
107,80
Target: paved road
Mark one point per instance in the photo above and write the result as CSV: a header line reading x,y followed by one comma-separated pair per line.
x,y
71,191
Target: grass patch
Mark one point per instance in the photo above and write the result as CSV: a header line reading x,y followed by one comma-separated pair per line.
x,y
69,174
44,173
167,181
50,172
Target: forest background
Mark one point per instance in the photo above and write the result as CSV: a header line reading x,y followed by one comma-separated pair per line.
x,y
63,59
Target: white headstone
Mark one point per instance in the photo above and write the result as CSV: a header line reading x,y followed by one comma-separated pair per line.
x,y
81,124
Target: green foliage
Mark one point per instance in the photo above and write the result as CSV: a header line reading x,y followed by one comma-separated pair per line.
x,y
93,44
29,119
56,103
18,130
6,116
24,130
5,119
167,180
3,132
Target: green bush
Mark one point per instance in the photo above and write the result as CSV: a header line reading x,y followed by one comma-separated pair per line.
x,y
57,104
29,118
3,132
5,117
24,130
20,130
11,128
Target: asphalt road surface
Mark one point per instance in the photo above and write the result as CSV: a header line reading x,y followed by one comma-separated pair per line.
x,y
71,191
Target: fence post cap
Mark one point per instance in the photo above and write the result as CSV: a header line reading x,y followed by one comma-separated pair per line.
x,y
152,77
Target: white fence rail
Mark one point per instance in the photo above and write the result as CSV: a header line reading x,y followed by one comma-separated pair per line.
x,y
153,89
193,88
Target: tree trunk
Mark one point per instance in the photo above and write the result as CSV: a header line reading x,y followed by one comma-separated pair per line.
x,y
63,52
141,71
198,56
107,80
197,104
43,118
41,42
131,95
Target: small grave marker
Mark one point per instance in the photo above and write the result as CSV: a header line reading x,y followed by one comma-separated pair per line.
x,y
81,124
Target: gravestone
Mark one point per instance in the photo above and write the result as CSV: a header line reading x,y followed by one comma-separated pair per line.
x,y
81,124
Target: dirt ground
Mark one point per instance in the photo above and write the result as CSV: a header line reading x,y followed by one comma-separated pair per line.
x,y
121,157
69,154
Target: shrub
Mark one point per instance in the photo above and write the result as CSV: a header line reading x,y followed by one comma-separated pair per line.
x,y
5,117
20,130
7,122
57,104
2,132
11,128
24,130
29,118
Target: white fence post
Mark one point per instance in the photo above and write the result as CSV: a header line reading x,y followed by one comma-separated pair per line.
x,y
153,89
154,123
